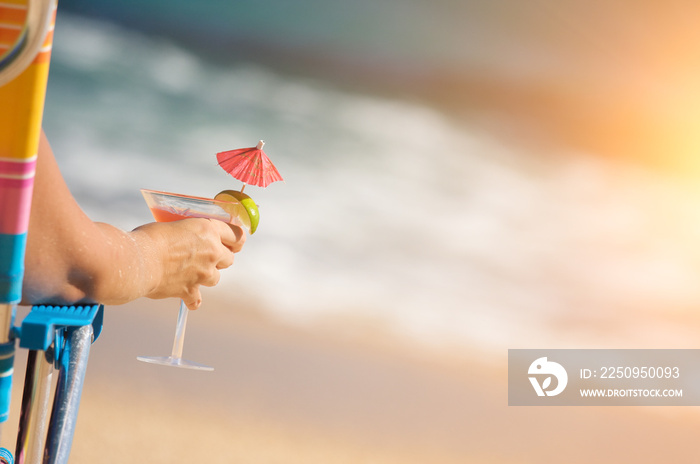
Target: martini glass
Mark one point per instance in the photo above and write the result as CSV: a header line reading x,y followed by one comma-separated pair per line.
x,y
167,207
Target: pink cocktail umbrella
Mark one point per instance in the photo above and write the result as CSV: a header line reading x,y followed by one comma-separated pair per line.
x,y
249,165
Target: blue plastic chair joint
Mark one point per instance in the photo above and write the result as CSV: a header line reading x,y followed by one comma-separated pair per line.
x,y
45,324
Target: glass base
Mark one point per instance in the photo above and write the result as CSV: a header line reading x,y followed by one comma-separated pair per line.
x,y
174,362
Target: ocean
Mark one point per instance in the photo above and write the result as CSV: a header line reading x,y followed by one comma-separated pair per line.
x,y
394,214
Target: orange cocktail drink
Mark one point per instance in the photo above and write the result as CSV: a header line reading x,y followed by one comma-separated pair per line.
x,y
169,207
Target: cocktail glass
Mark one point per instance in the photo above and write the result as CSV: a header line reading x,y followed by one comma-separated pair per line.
x,y
167,207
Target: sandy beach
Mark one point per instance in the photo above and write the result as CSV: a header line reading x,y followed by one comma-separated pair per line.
x,y
284,394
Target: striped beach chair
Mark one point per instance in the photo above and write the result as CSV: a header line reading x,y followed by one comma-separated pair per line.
x,y
55,336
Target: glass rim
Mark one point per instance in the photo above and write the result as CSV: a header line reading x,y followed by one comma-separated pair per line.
x,y
186,197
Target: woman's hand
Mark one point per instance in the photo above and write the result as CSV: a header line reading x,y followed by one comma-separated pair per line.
x,y
191,253
71,259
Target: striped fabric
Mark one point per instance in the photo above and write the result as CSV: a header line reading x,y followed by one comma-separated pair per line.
x,y
16,182
13,14
21,108
12,18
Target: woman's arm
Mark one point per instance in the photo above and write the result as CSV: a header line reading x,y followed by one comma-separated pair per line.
x,y
72,259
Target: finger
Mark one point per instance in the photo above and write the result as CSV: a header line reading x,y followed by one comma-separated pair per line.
x,y
211,279
192,298
226,259
232,236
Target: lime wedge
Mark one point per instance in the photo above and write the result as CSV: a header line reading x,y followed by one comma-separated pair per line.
x,y
241,206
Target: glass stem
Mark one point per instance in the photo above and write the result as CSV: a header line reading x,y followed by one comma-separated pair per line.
x,y
179,341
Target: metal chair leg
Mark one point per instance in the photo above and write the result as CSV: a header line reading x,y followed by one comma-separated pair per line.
x,y
54,335
34,415
68,391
